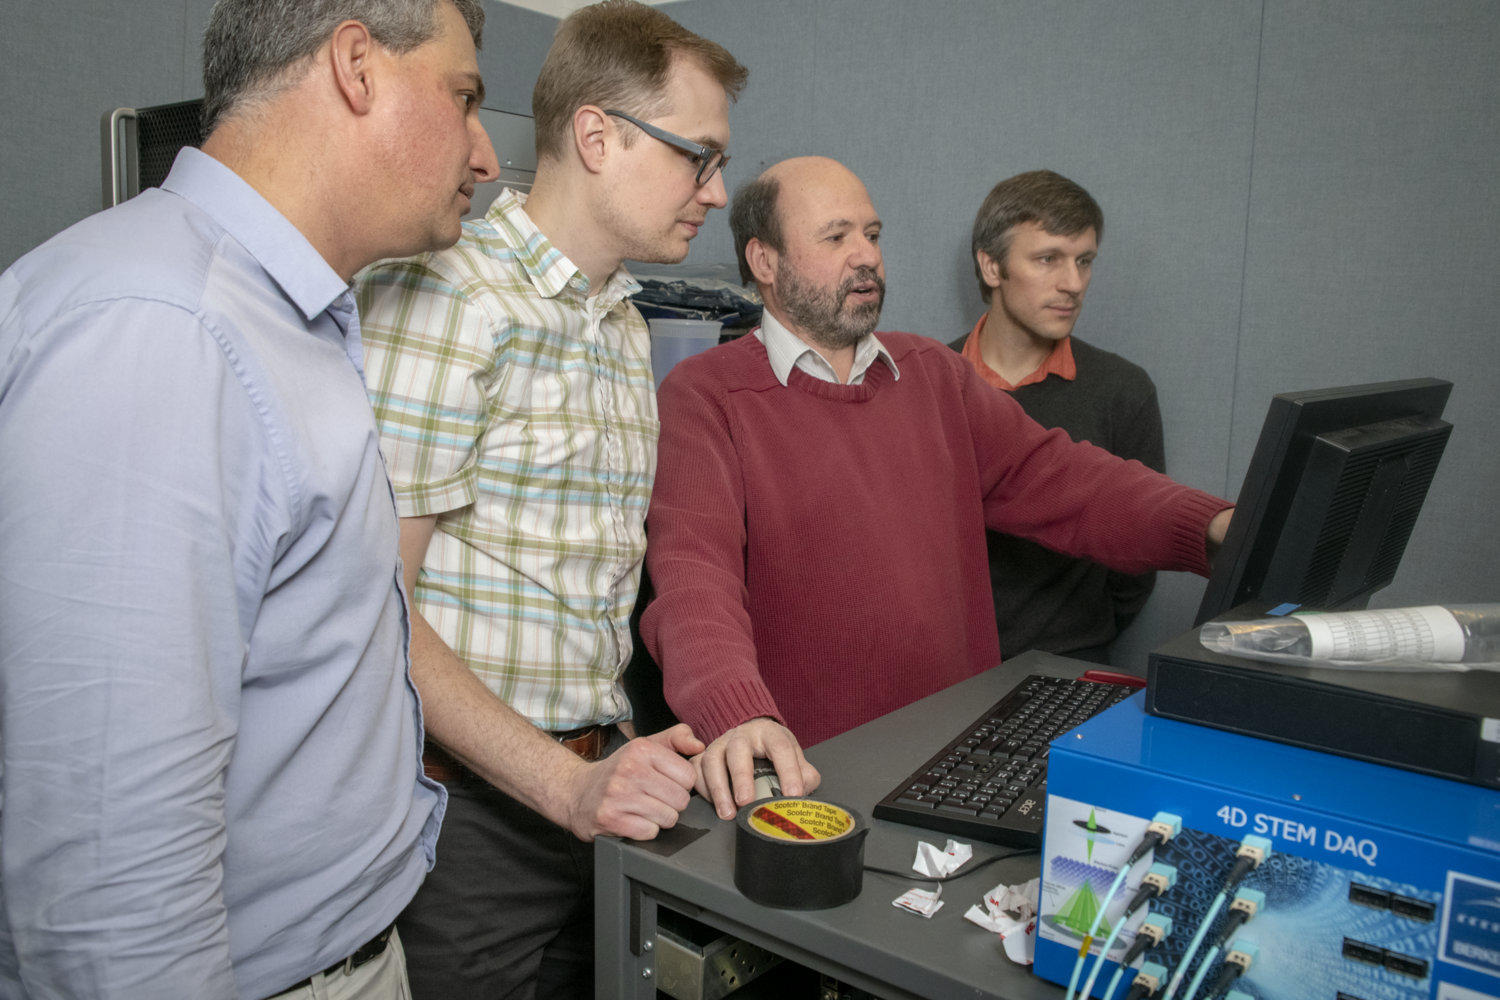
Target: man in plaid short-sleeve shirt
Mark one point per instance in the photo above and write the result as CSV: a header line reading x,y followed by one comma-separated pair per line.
x,y
511,378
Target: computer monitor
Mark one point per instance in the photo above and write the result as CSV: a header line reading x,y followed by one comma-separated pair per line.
x,y
138,145
1331,496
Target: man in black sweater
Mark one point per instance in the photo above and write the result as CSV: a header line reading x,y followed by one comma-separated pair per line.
x,y
1034,243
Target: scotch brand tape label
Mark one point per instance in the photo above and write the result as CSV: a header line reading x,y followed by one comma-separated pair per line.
x,y
801,819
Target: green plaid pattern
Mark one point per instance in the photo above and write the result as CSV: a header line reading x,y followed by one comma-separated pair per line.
x,y
522,412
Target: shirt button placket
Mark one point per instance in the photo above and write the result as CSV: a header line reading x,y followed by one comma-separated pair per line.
x,y
607,402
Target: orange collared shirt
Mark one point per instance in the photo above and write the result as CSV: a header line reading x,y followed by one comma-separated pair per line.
x,y
1059,362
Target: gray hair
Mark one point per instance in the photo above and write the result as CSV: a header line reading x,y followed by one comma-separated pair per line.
x,y
250,44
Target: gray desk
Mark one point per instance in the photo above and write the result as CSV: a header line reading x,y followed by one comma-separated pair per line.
x,y
867,943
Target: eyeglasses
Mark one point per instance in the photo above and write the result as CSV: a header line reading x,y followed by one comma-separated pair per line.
x,y
707,159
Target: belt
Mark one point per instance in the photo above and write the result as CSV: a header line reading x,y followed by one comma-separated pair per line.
x,y
439,765
588,742
371,949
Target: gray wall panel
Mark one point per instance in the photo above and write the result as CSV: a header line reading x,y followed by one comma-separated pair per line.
x,y
62,66
1295,195
515,42
1374,203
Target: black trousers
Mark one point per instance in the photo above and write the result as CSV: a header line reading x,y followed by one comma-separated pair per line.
x,y
507,911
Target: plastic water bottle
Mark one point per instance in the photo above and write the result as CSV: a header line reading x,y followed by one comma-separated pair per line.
x,y
1481,625
1452,633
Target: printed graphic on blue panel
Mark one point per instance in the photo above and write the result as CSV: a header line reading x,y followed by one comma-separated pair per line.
x,y
1471,924
1305,921
1074,882
1373,883
1314,920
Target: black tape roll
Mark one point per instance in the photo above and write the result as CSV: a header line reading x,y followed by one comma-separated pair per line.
x,y
799,854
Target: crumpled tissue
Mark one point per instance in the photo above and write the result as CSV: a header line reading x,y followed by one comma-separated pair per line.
x,y
1010,911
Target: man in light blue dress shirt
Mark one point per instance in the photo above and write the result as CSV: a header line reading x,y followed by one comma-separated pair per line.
x,y
210,743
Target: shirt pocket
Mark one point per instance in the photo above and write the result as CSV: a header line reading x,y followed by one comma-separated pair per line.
x,y
540,417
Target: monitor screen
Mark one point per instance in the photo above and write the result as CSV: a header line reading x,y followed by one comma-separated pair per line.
x,y
1331,496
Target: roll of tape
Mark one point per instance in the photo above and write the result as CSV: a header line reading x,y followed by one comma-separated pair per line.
x,y
799,854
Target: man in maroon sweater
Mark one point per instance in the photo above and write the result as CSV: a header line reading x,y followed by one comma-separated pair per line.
x,y
817,524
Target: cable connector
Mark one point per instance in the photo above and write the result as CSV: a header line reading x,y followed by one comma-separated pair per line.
x,y
1256,848
1158,879
1248,856
1248,902
1168,825
1147,981
1242,954
1156,927
1162,828
1152,932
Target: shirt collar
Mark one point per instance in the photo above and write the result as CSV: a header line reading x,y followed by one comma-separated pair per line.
x,y
289,259
786,351
1059,361
548,268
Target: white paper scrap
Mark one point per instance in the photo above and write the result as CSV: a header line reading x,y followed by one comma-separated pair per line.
x,y
1015,899
922,902
1010,912
989,921
1020,945
957,854
932,863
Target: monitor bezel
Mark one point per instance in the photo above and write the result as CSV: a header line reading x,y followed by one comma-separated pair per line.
x,y
1293,421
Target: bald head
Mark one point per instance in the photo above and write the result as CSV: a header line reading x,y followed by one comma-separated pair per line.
x,y
757,212
809,173
808,236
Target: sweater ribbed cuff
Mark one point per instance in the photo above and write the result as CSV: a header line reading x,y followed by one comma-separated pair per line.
x,y
729,705
1190,536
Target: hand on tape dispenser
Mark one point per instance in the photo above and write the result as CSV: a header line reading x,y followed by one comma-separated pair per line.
x,y
767,784
731,772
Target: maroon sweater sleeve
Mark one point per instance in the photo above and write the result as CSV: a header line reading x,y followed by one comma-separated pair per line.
x,y
698,626
1079,499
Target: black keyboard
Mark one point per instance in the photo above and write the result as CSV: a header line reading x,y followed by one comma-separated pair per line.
x,y
990,782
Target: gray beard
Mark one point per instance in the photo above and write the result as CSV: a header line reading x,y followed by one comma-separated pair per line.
x,y
820,313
